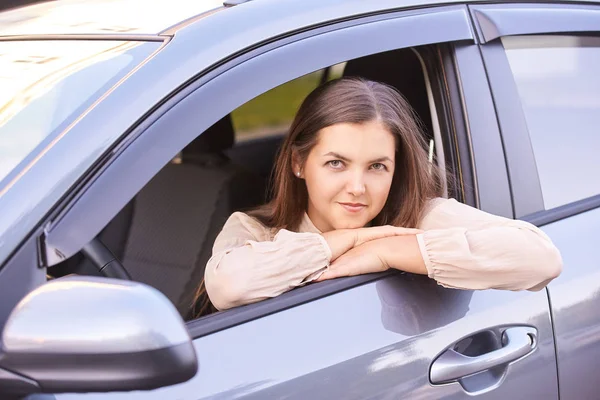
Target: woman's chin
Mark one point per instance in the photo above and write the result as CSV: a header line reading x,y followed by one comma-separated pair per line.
x,y
350,224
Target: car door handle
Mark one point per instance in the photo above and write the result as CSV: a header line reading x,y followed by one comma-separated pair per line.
x,y
451,365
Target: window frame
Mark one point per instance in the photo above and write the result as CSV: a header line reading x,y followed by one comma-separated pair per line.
x,y
142,153
492,22
148,148
483,133
443,72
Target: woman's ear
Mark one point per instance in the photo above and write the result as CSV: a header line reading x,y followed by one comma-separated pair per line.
x,y
296,164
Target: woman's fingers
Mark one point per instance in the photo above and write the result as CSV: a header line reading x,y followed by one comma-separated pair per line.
x,y
342,240
358,261
337,269
406,231
379,232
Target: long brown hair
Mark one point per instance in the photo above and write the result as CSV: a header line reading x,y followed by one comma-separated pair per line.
x,y
351,100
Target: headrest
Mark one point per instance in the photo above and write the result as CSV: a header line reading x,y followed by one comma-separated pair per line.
x,y
400,69
381,67
216,139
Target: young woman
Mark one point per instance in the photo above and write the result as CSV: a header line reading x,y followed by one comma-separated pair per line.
x,y
353,193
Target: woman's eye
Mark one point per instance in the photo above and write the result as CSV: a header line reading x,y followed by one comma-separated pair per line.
x,y
335,164
379,167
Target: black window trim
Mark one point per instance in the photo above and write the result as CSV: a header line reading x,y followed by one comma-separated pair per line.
x,y
19,276
439,61
73,219
546,217
491,23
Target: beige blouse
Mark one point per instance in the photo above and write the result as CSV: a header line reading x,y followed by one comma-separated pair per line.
x,y
462,247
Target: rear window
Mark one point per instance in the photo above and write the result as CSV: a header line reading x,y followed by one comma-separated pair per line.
x,y
46,85
559,85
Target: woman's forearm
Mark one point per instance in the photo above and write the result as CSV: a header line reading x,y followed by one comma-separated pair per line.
x,y
516,256
490,259
403,253
260,270
466,248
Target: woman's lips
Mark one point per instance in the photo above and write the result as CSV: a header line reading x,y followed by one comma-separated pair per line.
x,y
353,207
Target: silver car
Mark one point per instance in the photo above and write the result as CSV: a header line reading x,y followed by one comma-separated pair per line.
x,y
130,130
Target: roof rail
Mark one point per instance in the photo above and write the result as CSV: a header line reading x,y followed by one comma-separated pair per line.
x,y
231,3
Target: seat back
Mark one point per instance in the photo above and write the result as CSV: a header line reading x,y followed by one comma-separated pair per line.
x,y
173,221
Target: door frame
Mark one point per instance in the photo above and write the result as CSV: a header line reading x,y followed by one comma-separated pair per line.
x,y
492,22
158,139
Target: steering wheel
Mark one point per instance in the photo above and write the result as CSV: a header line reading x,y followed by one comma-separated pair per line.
x,y
108,265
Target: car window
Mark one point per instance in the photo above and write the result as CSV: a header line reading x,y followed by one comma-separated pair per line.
x,y
175,211
559,87
271,113
46,85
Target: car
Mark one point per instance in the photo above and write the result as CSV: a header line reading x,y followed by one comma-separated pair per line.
x,y
130,131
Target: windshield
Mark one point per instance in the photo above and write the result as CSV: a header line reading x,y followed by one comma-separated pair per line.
x,y
46,85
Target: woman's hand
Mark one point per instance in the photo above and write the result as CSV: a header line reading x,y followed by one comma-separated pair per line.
x,y
342,240
360,260
400,252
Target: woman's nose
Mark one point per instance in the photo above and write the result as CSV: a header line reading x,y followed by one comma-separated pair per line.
x,y
356,184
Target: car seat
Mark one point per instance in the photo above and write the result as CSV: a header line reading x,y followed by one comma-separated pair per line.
x,y
164,236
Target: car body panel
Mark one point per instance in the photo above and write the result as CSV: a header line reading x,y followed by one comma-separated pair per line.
x,y
375,341
575,296
18,278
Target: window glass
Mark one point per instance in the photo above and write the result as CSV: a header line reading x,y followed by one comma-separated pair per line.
x,y
558,81
272,112
46,85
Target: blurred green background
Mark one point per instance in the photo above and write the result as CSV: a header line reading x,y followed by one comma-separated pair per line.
x,y
272,112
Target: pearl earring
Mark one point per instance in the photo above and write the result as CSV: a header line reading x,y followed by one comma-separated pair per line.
x,y
298,174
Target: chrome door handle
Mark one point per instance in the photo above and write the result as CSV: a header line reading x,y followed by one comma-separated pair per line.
x,y
451,365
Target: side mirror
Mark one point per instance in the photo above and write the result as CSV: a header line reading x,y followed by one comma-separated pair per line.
x,y
90,334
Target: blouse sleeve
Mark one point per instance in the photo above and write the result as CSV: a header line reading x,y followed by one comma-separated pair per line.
x,y
467,248
248,266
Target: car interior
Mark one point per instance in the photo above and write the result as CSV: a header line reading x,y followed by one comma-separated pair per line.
x,y
164,236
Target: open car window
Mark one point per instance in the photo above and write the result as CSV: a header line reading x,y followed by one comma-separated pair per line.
x,y
164,236
217,174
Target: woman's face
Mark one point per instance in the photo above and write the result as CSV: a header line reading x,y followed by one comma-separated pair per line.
x,y
348,175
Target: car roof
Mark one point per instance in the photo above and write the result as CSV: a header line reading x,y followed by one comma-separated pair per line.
x,y
102,16
130,17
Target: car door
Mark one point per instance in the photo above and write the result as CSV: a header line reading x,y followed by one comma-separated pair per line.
x,y
547,93
383,336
